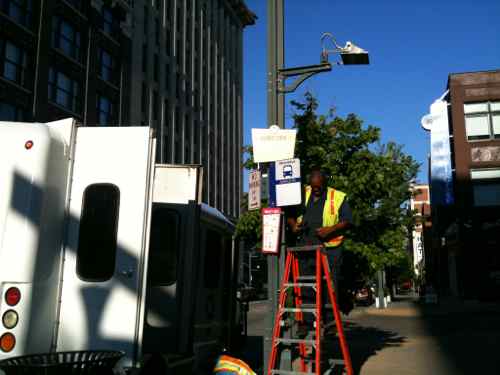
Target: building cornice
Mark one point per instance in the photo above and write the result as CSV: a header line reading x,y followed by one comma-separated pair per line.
x,y
245,15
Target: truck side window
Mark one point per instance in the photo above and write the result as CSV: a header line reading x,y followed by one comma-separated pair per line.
x,y
163,245
97,240
213,259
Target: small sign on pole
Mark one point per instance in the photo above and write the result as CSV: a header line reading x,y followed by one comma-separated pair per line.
x,y
286,188
254,196
271,220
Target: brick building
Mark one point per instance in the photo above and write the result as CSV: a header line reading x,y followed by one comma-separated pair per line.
x,y
467,234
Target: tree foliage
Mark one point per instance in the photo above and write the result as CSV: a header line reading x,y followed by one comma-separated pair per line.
x,y
375,176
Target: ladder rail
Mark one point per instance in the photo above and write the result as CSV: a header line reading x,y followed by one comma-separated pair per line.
x,y
337,317
319,291
277,325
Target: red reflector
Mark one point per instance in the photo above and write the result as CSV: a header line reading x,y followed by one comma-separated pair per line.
x,y
12,296
28,145
7,342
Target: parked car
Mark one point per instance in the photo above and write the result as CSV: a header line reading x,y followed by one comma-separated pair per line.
x,y
364,296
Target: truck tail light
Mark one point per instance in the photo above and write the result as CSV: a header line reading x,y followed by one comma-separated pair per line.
x,y
10,319
7,342
12,296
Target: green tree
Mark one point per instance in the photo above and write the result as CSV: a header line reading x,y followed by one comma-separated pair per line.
x,y
375,176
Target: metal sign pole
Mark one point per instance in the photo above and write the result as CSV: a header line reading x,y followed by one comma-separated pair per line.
x,y
275,58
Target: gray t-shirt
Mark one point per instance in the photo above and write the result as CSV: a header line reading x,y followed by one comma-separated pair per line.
x,y
313,217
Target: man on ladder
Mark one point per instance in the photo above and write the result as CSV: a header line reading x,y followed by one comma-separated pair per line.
x,y
322,219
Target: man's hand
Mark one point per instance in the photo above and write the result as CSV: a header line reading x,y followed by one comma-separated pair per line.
x,y
324,232
295,227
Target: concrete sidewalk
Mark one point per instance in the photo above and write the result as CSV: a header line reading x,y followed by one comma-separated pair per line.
x,y
408,338
453,337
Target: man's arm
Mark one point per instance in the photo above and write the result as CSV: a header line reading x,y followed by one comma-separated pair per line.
x,y
345,217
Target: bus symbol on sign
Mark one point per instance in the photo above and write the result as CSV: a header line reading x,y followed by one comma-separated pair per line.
x,y
287,171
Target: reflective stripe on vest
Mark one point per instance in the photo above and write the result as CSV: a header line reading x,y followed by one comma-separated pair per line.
x,y
229,365
334,201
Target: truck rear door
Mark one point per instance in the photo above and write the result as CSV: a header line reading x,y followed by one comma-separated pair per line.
x,y
104,257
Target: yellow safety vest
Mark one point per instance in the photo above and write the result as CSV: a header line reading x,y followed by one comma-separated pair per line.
x,y
333,202
229,365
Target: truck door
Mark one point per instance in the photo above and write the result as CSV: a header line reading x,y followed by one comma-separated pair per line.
x,y
104,256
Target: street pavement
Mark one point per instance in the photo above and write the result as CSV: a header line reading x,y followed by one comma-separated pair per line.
x,y
408,338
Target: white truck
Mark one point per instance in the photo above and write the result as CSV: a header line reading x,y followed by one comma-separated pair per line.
x,y
102,249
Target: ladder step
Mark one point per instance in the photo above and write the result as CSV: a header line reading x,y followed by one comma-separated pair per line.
x,y
286,372
296,341
300,285
296,309
311,305
308,278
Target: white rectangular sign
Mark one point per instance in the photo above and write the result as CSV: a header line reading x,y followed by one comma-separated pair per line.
x,y
254,181
273,144
288,183
271,219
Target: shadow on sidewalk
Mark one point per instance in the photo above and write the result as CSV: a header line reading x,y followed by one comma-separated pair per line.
x,y
467,335
363,342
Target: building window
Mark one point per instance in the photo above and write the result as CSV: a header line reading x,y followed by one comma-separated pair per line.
x,y
156,105
156,68
107,65
12,62
9,112
64,91
104,110
65,37
178,20
157,31
482,120
97,240
21,11
486,187
144,57
167,76
144,99
146,21
178,153
109,20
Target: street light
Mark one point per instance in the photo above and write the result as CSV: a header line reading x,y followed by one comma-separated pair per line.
x,y
350,54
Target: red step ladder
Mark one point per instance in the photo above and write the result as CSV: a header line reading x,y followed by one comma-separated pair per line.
x,y
299,282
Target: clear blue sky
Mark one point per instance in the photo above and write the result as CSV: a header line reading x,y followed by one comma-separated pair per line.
x,y
413,46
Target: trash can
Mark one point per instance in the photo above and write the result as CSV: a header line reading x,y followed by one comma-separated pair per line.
x,y
89,362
